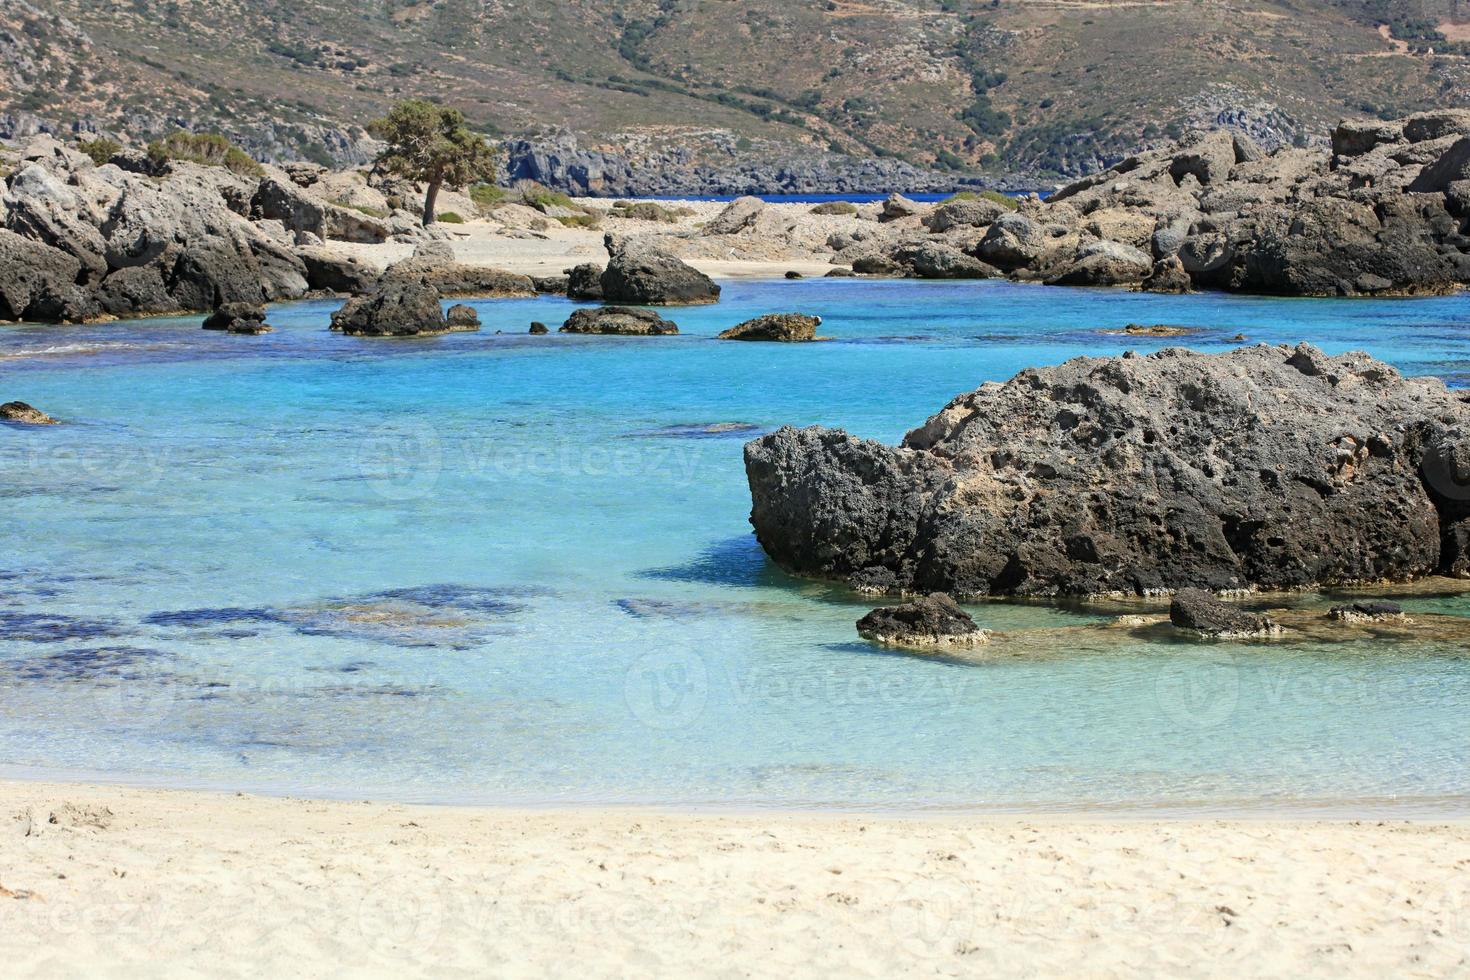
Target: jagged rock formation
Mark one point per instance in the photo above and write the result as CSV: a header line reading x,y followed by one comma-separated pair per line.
x,y
401,307
638,271
933,622
778,327
1266,467
621,320
1385,212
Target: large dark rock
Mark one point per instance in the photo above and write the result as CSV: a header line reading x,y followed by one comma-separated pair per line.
x,y
1200,612
779,327
585,282
332,272
639,272
621,320
246,318
1264,467
932,622
400,308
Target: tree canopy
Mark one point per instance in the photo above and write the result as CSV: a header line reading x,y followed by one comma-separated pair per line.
x,y
431,143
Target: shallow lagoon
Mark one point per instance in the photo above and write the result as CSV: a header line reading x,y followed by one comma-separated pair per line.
x,y
502,568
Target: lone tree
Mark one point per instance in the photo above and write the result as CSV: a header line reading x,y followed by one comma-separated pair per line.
x,y
431,143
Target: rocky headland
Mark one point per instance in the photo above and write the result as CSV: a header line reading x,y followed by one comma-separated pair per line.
x,y
1262,468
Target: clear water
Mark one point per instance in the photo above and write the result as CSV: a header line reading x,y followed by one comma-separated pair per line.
x,y
501,568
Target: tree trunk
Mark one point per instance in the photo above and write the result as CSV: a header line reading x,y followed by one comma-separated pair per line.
x,y
429,199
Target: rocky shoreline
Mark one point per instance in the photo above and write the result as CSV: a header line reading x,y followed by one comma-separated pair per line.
x,y
1385,212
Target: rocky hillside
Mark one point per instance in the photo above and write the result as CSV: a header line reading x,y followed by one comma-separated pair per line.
x,y
1047,87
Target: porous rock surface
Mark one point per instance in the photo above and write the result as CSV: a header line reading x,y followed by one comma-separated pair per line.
x,y
1264,467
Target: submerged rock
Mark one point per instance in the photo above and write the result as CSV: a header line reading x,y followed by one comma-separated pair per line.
x,y
244,318
640,272
780,327
24,414
1266,467
1200,612
926,623
622,320
1368,612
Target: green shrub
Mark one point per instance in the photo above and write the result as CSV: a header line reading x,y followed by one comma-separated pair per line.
x,y
534,195
207,149
646,211
100,149
360,209
486,195
580,220
835,207
995,197
450,218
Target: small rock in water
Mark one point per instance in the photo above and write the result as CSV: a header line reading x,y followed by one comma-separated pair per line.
x,y
538,327
793,274
926,623
622,320
1368,612
841,273
242,318
778,327
1201,612
24,414
462,317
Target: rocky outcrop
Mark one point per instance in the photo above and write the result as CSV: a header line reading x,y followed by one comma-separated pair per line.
x,y
399,308
742,213
461,317
81,242
433,264
245,318
332,272
621,320
1200,612
584,282
1265,467
778,327
538,327
22,414
1384,212
928,623
638,271
300,211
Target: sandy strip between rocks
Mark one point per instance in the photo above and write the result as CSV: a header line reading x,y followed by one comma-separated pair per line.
x,y
104,881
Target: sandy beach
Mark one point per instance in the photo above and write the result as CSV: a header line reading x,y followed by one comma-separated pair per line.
x,y
114,882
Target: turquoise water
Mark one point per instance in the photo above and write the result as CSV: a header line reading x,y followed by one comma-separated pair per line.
x,y
512,569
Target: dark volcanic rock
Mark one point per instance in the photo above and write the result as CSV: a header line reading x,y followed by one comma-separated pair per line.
x,y
24,414
462,318
585,281
1200,612
1368,612
1265,466
926,623
781,327
330,271
621,320
400,308
539,328
38,282
553,285
639,272
246,318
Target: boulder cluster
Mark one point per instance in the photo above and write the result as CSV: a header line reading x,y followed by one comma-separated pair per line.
x,y
83,242
1384,212
1265,467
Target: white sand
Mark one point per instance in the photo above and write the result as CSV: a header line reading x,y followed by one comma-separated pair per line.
x,y
127,882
